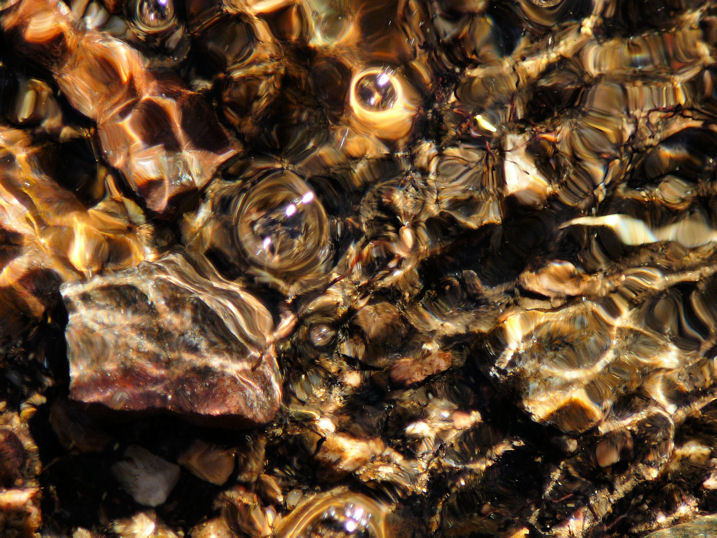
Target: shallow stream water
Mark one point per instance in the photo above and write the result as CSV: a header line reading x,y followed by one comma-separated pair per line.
x,y
358,268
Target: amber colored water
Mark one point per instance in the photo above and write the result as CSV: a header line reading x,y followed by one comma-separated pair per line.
x,y
358,268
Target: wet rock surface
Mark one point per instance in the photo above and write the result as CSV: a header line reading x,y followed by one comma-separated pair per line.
x,y
161,336
326,268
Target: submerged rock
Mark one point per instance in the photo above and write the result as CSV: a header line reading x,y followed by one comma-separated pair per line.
x,y
149,479
162,336
699,527
20,494
208,462
454,263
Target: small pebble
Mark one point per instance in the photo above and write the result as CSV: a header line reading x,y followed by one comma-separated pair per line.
x,y
210,463
148,479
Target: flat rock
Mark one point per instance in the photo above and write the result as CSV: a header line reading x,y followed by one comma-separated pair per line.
x,y
163,336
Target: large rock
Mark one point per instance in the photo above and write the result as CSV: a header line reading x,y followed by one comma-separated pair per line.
x,y
162,336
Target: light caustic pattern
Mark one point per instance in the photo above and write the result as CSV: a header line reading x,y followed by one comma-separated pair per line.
x,y
463,254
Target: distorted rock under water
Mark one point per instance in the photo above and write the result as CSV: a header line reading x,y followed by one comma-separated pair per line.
x,y
361,268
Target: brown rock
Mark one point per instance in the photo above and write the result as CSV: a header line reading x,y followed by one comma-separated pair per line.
x,y
212,528
20,495
244,511
408,371
269,489
164,138
143,525
380,321
557,279
162,336
12,457
610,450
341,454
19,512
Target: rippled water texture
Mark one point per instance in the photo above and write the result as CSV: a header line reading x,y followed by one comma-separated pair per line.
x,y
358,268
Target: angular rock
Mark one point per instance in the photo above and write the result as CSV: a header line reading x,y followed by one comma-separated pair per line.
x,y
147,478
146,524
208,462
164,336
